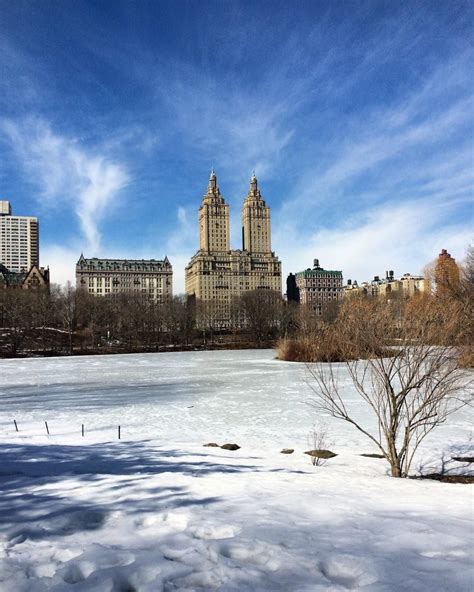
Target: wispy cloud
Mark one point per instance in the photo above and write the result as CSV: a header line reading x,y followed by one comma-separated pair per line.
x,y
403,237
67,173
358,123
403,149
240,131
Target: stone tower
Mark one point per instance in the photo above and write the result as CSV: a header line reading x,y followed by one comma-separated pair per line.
x,y
216,274
214,220
255,221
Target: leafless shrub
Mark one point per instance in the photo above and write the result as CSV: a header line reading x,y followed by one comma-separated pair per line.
x,y
410,392
318,440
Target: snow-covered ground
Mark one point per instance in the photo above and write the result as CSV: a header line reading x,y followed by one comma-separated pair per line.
x,y
157,511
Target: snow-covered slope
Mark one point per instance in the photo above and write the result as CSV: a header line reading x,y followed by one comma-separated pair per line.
x,y
158,511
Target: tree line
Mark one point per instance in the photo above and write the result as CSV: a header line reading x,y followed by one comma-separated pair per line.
x,y
67,320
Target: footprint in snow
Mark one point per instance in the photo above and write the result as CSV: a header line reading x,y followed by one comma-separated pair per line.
x,y
348,571
163,523
210,532
260,554
77,571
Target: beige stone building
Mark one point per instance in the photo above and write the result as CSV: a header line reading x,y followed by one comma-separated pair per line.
x,y
407,286
104,277
319,287
216,272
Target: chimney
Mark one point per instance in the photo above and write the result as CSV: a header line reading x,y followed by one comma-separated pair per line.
x,y
376,278
349,282
316,263
391,273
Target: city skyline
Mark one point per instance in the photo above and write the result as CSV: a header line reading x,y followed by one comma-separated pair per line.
x,y
357,119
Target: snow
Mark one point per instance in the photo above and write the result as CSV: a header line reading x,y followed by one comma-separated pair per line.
x,y
158,511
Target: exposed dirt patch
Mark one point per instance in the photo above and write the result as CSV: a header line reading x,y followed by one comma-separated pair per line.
x,y
448,478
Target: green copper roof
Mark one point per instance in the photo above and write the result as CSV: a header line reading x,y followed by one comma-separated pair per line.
x,y
318,272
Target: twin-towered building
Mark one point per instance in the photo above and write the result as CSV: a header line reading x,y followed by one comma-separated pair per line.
x,y
218,273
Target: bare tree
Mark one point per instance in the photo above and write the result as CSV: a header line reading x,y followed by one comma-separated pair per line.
x,y
261,309
180,319
410,389
68,312
207,318
16,312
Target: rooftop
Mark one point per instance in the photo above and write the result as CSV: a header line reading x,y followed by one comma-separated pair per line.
x,y
95,263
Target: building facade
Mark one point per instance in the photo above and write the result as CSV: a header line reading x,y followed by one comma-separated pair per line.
x,y
405,286
319,287
216,272
446,274
19,240
104,277
36,278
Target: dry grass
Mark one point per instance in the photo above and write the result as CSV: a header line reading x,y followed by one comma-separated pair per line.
x,y
309,349
466,357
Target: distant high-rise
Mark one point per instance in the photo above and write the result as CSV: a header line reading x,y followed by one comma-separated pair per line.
x,y
19,240
216,272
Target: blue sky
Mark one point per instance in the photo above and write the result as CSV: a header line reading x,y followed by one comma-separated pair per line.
x,y
356,116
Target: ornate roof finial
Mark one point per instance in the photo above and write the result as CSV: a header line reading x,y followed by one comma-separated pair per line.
x,y
253,182
212,181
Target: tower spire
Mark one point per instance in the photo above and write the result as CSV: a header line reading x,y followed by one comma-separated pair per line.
x,y
253,183
212,181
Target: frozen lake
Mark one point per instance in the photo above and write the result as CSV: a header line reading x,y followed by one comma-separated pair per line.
x,y
186,396
183,397
158,511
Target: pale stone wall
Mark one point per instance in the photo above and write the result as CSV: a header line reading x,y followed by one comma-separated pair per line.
x,y
105,277
214,220
255,222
